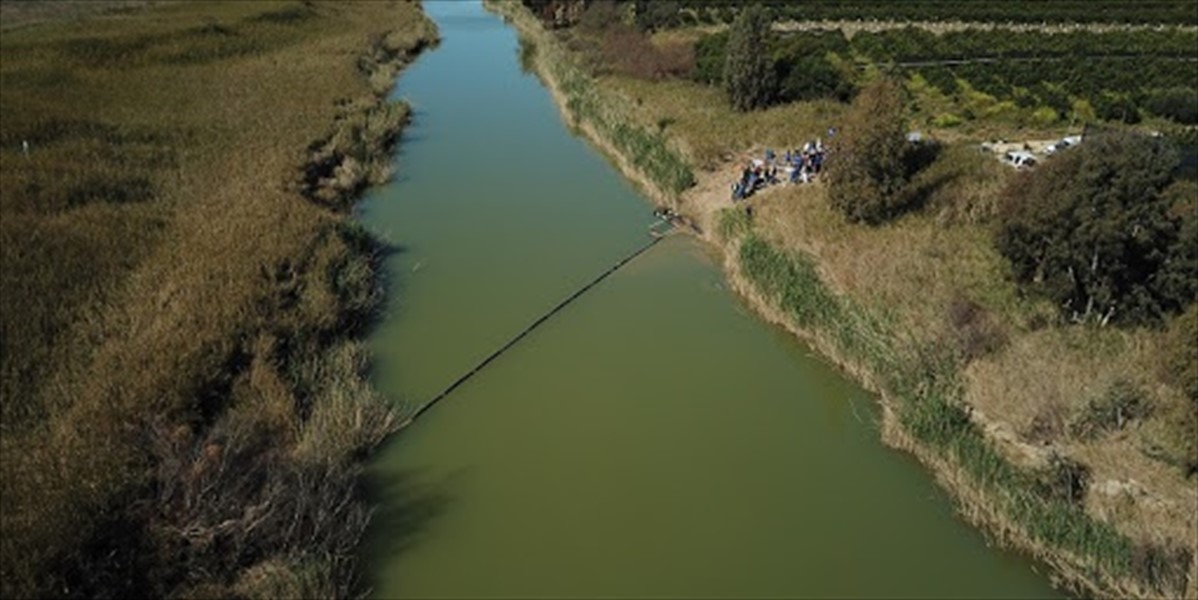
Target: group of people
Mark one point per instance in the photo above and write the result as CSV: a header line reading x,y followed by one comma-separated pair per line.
x,y
800,165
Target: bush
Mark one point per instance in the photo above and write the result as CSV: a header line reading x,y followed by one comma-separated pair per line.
x,y
1182,345
710,56
652,15
1178,103
600,15
1092,230
630,52
804,70
1044,116
975,332
867,168
1062,479
946,120
1177,279
811,79
748,74
1122,402
1111,106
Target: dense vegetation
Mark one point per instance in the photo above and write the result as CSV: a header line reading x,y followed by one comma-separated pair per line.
x,y
1015,11
1029,77
659,14
1105,231
802,66
748,75
867,175
184,411
1121,76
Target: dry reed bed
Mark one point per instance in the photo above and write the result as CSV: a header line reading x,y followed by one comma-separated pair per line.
x,y
187,414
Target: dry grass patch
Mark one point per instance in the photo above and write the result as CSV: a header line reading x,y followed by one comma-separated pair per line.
x,y
913,269
702,120
175,311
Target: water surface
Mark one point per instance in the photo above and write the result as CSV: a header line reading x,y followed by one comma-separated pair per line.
x,y
653,439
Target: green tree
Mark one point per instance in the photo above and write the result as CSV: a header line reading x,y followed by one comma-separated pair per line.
x,y
867,168
1178,103
652,15
811,79
749,76
710,55
805,71
1100,230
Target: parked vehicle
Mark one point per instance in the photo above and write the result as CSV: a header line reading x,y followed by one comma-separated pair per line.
x,y
1020,159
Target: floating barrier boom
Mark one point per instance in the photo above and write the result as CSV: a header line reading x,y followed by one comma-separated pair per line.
x,y
528,329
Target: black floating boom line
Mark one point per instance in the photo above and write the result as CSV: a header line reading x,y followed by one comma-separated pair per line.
x,y
512,342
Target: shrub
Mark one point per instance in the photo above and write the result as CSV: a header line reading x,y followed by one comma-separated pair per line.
x,y
867,168
630,52
811,79
600,15
1111,106
1044,116
1062,479
748,74
946,120
710,56
1178,103
652,15
1182,345
805,71
975,332
1092,230
1122,402
1178,278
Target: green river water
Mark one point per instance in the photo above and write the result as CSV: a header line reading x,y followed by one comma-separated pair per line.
x,y
654,438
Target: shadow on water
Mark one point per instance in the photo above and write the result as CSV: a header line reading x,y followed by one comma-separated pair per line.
x,y
382,250
405,504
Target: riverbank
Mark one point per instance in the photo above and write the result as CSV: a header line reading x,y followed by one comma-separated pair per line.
x,y
185,409
801,268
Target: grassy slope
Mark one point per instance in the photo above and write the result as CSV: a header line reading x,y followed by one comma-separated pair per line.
x,y
880,300
182,403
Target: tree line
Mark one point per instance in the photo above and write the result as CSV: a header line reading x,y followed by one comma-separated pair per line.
x,y
663,14
1173,12
1121,76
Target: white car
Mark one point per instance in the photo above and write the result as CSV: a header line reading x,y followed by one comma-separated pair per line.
x,y
1066,142
1020,160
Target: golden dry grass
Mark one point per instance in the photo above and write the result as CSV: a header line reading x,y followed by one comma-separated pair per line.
x,y
700,118
169,293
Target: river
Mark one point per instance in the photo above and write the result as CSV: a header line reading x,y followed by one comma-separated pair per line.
x,y
652,439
